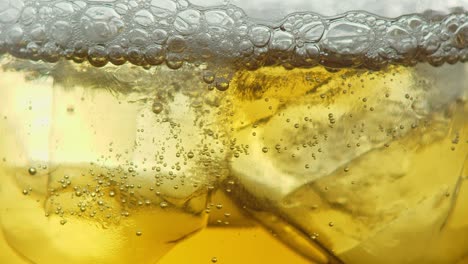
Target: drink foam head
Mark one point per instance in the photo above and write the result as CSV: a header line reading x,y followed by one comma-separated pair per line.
x,y
153,32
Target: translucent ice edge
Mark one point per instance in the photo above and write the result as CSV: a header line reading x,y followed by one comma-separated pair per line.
x,y
153,32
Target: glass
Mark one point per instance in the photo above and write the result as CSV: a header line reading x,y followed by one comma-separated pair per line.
x,y
244,131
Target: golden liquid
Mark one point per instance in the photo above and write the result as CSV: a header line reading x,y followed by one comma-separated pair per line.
x,y
127,165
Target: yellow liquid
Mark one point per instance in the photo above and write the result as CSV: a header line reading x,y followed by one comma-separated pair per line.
x,y
126,165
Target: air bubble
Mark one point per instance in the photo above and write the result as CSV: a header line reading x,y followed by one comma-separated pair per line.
x,y
260,36
163,8
116,55
312,32
28,16
144,18
15,35
159,36
313,51
348,38
37,33
64,9
281,41
32,171
400,39
50,52
10,10
173,61
121,9
187,22
101,23
135,56
157,107
176,44
461,36
45,13
222,84
138,37
246,47
190,155
61,32
219,20
97,56
154,55
79,5
208,77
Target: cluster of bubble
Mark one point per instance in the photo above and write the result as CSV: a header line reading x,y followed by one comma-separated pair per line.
x,y
153,32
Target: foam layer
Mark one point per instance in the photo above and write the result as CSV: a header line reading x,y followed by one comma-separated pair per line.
x,y
152,32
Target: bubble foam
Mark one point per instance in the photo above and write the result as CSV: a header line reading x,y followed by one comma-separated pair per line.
x,y
154,32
